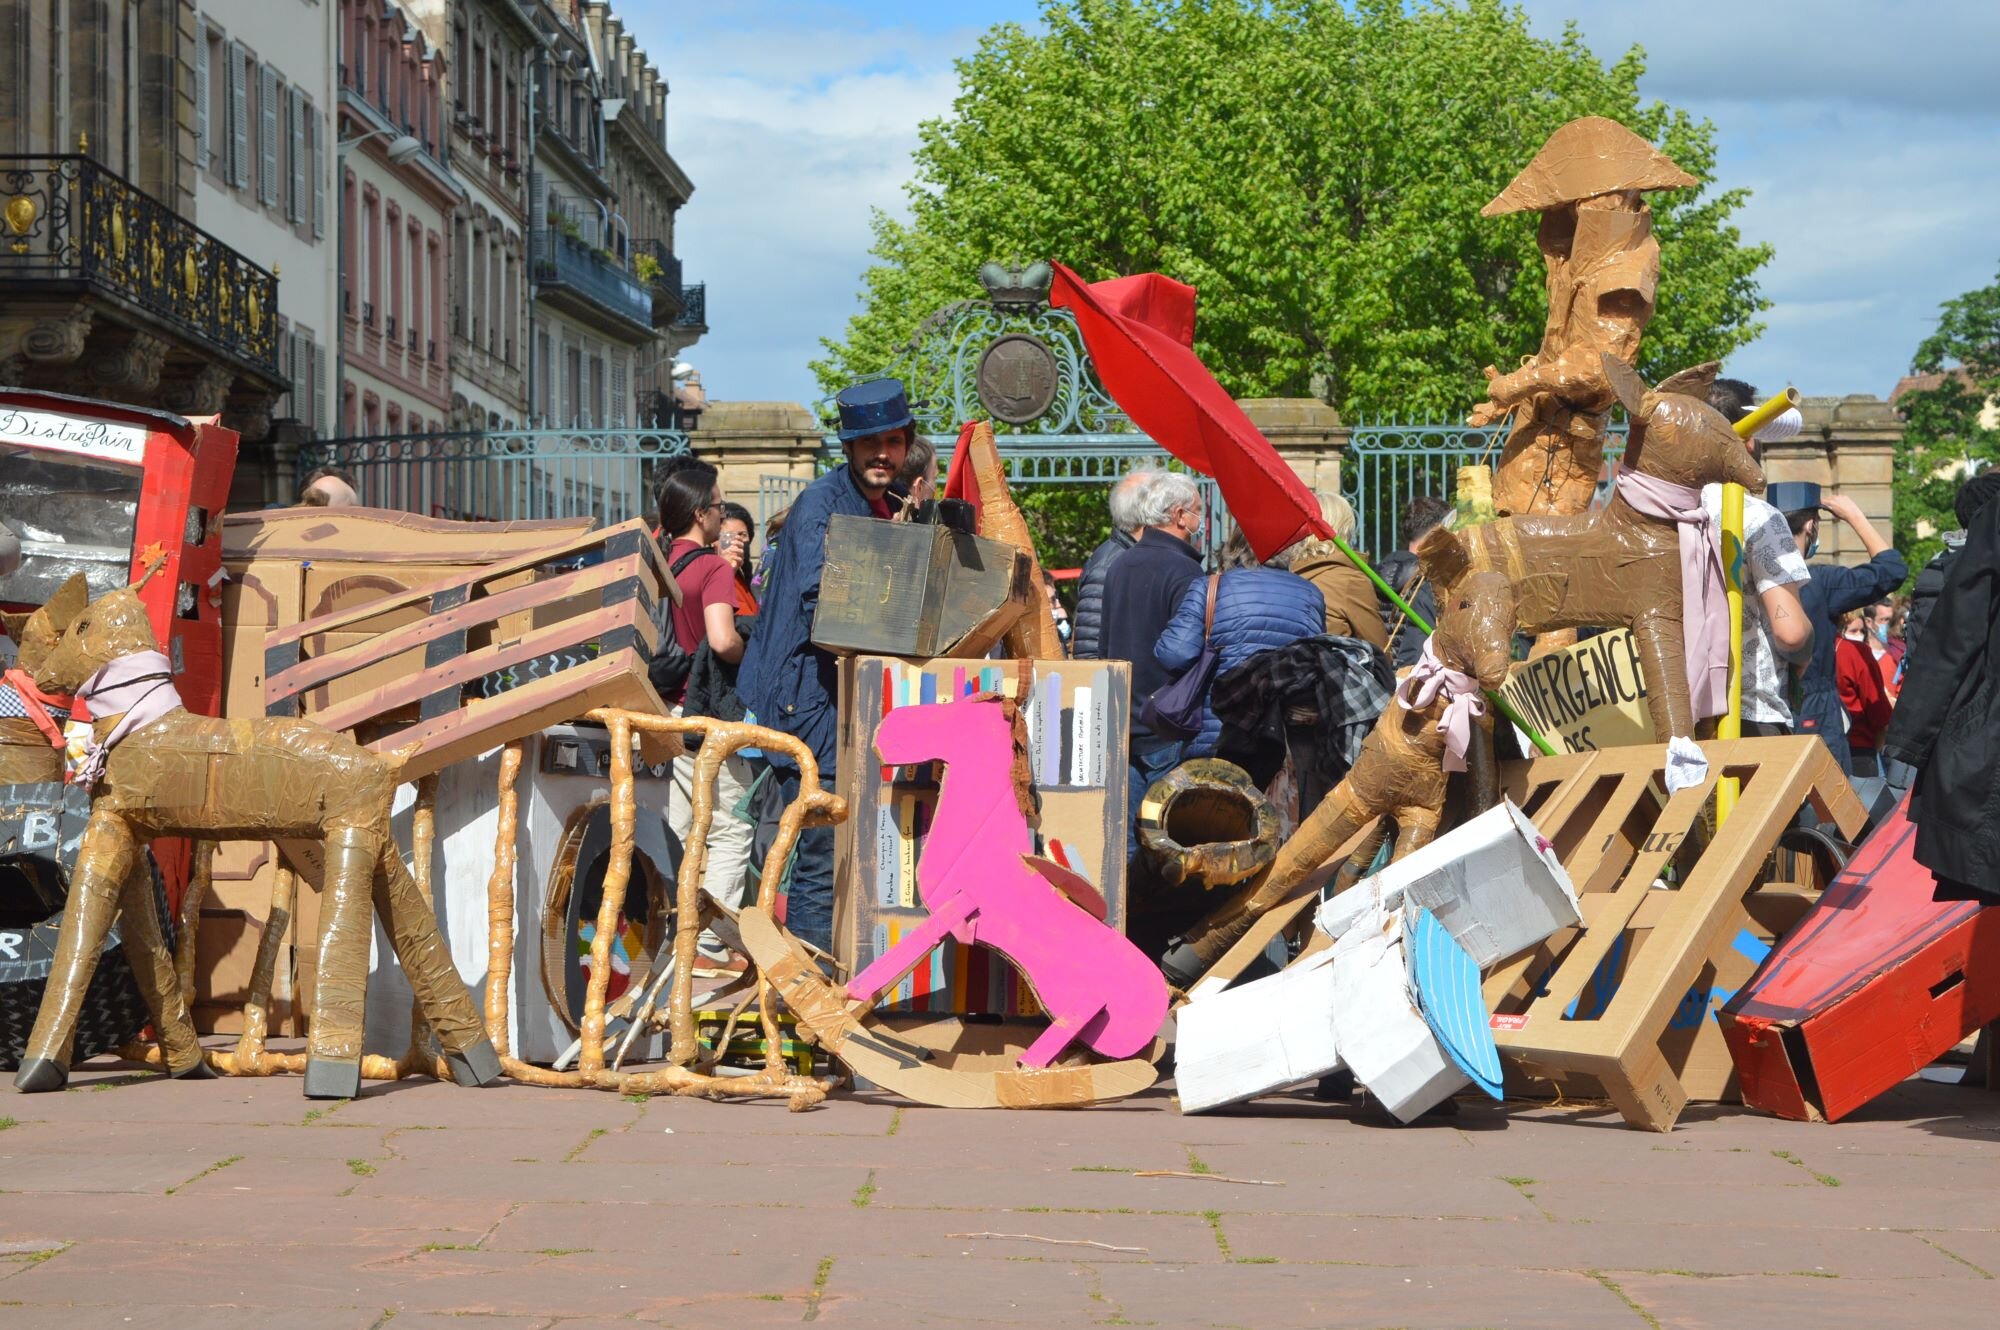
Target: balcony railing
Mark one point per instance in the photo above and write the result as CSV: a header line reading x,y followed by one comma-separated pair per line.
x,y
69,220
694,306
660,268
563,260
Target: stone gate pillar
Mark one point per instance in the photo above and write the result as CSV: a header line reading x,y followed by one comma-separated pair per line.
x,y
1848,446
1307,433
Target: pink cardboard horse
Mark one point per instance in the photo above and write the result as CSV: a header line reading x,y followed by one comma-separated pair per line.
x,y
982,883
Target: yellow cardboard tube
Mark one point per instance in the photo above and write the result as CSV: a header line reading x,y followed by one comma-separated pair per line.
x,y
1767,413
1731,727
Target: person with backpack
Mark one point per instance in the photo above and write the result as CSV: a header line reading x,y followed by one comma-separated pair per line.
x,y
691,512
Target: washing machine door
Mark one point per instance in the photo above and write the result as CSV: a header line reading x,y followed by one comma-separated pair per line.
x,y
644,929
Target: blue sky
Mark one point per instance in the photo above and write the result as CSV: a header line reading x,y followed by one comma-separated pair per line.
x,y
1868,133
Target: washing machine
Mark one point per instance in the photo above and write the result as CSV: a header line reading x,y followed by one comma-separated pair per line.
x,y
562,847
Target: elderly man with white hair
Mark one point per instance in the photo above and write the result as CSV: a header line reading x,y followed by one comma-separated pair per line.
x,y
1087,641
1141,592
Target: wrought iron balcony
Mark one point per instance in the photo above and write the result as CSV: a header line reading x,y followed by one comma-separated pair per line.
x,y
660,268
694,306
71,222
563,261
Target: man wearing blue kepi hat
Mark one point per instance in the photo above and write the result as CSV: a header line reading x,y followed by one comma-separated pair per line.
x,y
788,683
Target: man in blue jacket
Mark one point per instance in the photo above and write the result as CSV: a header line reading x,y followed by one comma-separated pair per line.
x,y
1833,591
788,683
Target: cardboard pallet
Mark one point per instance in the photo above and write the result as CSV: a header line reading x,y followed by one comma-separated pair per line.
x,y
1618,834
499,652
1876,982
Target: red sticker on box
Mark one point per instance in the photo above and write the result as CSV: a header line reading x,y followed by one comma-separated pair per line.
x,y
1519,1022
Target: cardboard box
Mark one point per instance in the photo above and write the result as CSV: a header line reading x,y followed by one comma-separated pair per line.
x,y
1077,717
1494,883
1258,1037
917,589
1876,982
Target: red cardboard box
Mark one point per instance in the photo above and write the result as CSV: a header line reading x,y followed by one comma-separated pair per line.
x,y
1875,983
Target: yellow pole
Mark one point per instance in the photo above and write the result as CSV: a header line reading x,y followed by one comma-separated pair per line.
x,y
1767,413
1727,789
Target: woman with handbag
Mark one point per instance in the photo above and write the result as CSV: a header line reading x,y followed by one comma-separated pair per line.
x,y
1223,620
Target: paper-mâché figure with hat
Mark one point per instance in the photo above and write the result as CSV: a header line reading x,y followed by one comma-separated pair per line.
x,y
1596,237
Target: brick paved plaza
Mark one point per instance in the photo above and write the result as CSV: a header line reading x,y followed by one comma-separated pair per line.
x,y
129,1202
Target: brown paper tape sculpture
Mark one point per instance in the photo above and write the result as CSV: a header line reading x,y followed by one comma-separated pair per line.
x,y
1398,782
1596,238
319,794
1033,636
1618,566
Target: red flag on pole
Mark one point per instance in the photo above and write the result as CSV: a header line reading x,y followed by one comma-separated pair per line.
x,y
1140,332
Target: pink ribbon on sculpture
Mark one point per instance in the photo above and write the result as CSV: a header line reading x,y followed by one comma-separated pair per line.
x,y
1704,611
141,686
1464,702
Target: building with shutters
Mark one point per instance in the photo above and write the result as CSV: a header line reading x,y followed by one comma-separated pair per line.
x,y
596,322
494,45
264,95
122,276
396,210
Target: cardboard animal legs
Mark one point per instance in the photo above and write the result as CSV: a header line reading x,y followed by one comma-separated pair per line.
x,y
111,876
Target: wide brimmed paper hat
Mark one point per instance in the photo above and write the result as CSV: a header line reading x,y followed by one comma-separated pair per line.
x,y
1583,159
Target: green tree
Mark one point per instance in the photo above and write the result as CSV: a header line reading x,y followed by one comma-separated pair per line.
x,y
1950,429
1315,169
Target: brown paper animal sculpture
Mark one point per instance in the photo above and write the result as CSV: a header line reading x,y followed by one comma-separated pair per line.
x,y
29,753
1620,566
1033,636
311,790
1597,240
1400,776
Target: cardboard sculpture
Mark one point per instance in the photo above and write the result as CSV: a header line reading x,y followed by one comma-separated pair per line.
x,y
1596,238
1619,840
1033,636
917,589
1204,822
174,773
286,566
982,882
691,1069
1399,777
1075,714
31,721
1876,982
1619,566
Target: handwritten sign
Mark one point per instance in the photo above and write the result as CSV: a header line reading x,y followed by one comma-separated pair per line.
x,y
103,439
1589,696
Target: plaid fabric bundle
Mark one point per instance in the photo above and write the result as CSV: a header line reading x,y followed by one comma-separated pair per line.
x,y
1315,700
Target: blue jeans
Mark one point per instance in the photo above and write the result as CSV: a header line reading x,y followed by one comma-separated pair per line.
x,y
1144,769
809,896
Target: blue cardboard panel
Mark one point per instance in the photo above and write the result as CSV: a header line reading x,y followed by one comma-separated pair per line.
x,y
1448,994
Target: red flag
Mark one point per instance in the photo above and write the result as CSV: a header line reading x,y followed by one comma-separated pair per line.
x,y
959,482
1140,332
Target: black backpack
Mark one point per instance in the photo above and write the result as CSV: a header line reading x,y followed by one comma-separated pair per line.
x,y
672,662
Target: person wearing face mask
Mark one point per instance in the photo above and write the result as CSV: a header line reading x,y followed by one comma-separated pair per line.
x,y
1833,591
1141,592
1864,693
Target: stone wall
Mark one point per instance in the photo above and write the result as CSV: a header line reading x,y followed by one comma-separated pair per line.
x,y
746,441
1848,446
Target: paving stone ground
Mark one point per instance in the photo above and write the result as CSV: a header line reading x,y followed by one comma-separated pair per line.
x,y
131,1202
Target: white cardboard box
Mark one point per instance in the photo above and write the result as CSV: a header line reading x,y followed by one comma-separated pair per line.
x,y
1381,1031
1494,883
1257,1037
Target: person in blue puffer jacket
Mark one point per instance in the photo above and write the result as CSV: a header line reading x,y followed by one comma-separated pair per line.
x,y
1257,609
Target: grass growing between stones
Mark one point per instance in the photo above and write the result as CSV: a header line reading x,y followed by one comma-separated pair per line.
x,y
216,1167
1823,1179
864,1195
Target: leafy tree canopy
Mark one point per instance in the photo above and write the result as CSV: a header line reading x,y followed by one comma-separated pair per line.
x,y
1951,429
1315,169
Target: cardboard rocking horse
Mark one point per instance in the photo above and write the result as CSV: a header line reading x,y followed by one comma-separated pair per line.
x,y
157,769
1649,560
983,884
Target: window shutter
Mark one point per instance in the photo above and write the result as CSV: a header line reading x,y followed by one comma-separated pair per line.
x,y
267,134
617,413
239,119
317,360
295,199
201,99
315,156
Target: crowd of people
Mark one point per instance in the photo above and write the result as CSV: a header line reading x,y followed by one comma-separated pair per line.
x,y
1828,649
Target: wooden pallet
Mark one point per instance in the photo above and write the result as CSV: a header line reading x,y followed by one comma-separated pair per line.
x,y
486,656
1617,833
